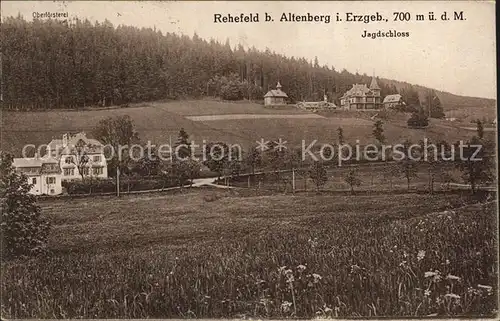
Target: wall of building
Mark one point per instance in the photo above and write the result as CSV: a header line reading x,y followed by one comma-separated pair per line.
x,y
41,185
274,101
36,188
52,188
69,171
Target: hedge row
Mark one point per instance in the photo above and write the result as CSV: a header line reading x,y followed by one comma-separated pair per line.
x,y
109,185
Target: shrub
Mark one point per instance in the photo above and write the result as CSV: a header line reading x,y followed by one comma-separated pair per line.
x,y
418,120
212,197
126,185
24,231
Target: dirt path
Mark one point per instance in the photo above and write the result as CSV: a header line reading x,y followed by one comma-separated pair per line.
x,y
253,116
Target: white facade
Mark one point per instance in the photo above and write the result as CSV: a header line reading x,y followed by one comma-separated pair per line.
x,y
69,156
43,173
96,167
360,97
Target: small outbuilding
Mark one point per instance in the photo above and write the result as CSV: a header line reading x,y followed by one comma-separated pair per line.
x,y
275,96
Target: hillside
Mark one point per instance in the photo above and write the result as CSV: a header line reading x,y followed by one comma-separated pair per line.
x,y
159,120
49,64
155,124
451,101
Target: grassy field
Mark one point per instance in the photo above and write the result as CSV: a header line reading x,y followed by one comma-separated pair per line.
x,y
373,178
231,254
152,122
214,107
157,121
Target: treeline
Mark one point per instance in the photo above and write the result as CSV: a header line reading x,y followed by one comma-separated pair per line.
x,y
75,63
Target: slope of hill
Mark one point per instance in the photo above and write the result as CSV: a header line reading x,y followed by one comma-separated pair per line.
x,y
97,66
448,100
152,123
160,122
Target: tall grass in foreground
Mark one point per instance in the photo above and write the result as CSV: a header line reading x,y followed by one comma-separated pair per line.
x,y
441,264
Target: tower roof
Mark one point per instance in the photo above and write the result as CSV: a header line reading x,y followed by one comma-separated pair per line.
x,y
278,86
374,84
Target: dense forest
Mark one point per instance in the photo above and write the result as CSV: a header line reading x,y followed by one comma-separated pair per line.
x,y
50,64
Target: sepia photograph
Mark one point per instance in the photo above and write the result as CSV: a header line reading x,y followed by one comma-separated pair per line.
x,y
248,160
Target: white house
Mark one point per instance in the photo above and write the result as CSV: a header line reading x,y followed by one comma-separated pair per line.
x,y
360,97
71,149
44,173
393,101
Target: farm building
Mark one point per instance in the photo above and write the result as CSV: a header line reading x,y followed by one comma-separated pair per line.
x,y
393,101
275,96
316,106
360,97
43,173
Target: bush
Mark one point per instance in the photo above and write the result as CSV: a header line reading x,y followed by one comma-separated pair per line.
x,y
418,120
109,186
24,231
212,197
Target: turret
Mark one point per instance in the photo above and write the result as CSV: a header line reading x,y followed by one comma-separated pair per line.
x,y
374,86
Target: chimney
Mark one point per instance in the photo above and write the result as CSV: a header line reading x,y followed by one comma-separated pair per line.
x,y
65,140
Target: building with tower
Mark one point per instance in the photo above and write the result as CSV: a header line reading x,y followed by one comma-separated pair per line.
x,y
275,97
361,97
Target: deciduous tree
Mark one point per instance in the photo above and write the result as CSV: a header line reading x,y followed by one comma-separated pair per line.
x,y
352,179
475,163
318,174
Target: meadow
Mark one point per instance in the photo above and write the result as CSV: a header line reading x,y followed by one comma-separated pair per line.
x,y
236,254
160,121
373,178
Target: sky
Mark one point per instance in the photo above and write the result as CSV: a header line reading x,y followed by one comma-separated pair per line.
x,y
456,56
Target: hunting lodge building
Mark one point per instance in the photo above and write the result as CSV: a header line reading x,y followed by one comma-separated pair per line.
x,y
360,97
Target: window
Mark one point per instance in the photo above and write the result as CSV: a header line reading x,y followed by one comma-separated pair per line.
x,y
97,159
68,160
51,180
98,171
85,171
33,180
69,171
52,191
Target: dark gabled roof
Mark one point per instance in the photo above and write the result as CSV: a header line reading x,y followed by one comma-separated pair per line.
x,y
357,90
276,93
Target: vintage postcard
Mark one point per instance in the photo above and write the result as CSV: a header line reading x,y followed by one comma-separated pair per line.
x,y
248,160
